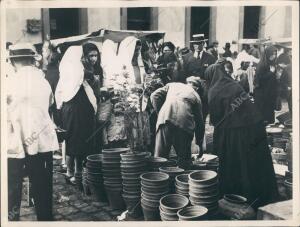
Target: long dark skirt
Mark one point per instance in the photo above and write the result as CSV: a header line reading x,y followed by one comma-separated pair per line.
x,y
245,164
79,120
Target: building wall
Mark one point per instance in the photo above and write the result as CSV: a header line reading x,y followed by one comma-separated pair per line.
x,y
16,30
103,18
274,22
227,25
172,21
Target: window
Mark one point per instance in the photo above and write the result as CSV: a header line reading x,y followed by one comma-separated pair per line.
x,y
139,18
63,22
200,21
251,22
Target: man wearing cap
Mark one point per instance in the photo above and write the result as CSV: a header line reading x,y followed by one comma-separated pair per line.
x,y
31,133
179,117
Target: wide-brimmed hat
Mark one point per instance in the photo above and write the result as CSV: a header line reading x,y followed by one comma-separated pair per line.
x,y
22,50
198,38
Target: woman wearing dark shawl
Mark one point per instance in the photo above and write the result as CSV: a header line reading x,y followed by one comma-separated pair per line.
x,y
266,85
239,140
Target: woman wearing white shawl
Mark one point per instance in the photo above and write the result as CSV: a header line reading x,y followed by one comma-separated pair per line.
x,y
78,103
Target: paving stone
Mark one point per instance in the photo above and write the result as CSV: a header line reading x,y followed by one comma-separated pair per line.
x,y
30,217
80,204
99,204
58,217
90,209
116,212
26,211
67,210
102,216
80,216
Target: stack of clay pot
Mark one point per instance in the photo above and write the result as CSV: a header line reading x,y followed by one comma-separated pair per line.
x,y
86,189
111,167
192,213
172,172
93,176
155,163
155,185
203,190
182,184
170,205
132,166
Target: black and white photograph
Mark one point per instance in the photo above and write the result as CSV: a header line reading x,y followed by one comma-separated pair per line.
x,y
131,112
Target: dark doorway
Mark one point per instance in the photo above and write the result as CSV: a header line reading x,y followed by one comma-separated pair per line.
x,y
251,22
139,18
200,21
63,22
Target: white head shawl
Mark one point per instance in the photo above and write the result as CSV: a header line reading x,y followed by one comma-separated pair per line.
x,y
125,55
109,61
72,77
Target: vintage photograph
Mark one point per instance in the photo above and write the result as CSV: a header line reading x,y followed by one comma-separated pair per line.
x,y
130,112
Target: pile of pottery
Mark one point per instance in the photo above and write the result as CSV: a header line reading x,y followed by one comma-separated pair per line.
x,y
132,166
203,190
155,163
93,178
172,172
170,205
182,184
111,168
155,185
192,213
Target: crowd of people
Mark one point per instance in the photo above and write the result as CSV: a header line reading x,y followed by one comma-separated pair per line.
x,y
238,91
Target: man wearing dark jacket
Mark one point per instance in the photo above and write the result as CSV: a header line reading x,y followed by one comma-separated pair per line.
x,y
179,117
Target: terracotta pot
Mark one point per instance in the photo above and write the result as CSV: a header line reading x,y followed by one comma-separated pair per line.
x,y
150,214
95,158
182,180
173,202
154,178
150,202
236,207
114,151
156,197
192,213
203,177
115,198
97,191
167,216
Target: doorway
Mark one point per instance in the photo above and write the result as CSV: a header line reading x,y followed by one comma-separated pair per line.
x,y
200,21
251,22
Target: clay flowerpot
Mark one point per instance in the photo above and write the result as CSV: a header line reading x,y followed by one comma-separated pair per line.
x,y
236,207
156,162
115,198
150,213
156,197
203,177
154,178
153,189
192,213
182,180
95,158
173,202
150,202
114,151
165,216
